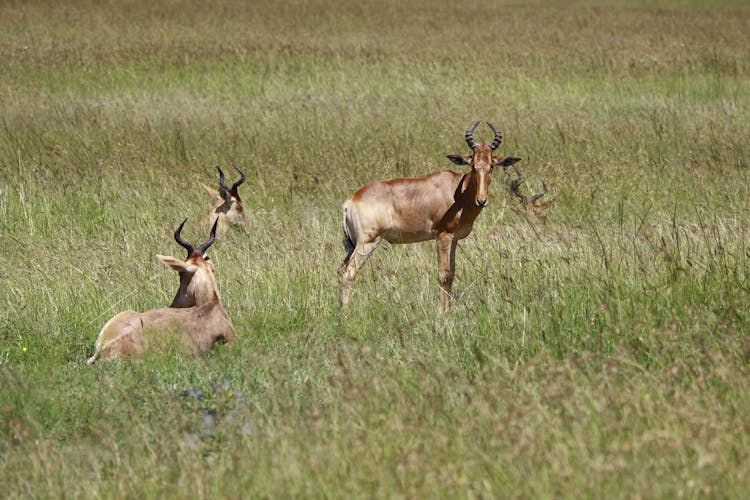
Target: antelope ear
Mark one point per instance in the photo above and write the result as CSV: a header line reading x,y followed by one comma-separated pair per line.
x,y
506,162
214,193
460,160
176,264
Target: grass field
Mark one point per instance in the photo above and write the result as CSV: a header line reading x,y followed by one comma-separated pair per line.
x,y
603,352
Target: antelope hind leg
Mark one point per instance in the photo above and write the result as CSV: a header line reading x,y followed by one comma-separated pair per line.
x,y
349,270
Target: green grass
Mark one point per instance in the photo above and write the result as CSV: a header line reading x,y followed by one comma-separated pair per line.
x,y
602,353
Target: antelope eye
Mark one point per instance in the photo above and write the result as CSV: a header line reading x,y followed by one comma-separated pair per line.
x,y
206,257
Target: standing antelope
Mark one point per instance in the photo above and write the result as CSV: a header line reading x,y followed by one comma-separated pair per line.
x,y
195,320
441,206
228,210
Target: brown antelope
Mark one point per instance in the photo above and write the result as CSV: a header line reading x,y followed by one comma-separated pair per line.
x,y
194,322
228,210
441,206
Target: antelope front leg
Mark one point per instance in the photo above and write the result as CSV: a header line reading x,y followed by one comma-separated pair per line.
x,y
446,248
349,270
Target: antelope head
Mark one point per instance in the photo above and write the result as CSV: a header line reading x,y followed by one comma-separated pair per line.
x,y
229,206
197,282
529,204
482,163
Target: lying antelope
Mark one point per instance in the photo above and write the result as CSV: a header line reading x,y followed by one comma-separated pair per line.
x,y
228,210
441,206
195,320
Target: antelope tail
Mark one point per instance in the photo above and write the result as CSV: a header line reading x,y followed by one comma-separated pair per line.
x,y
349,244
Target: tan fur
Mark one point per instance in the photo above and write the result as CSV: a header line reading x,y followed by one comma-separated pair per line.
x,y
197,282
441,206
192,330
229,211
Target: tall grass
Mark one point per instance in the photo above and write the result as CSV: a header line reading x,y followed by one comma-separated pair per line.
x,y
603,352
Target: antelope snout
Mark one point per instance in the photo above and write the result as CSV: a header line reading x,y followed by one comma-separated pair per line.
x,y
481,203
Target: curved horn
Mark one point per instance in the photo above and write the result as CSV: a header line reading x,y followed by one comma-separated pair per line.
x,y
202,249
498,137
184,244
223,183
237,184
470,136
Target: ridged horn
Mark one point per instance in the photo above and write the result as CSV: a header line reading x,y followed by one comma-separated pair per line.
x,y
498,137
470,136
184,244
202,249
238,183
222,182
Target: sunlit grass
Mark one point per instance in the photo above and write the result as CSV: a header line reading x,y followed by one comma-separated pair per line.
x,y
600,353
